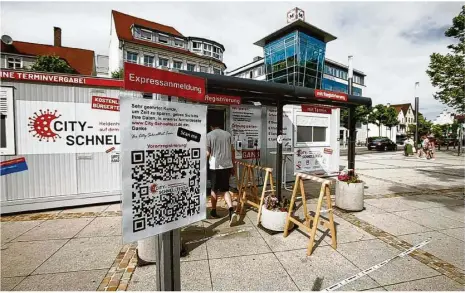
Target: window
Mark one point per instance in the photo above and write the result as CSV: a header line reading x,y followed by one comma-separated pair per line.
x,y
163,39
196,46
146,35
7,130
311,129
179,43
216,71
203,69
131,57
163,62
14,62
190,67
177,64
148,60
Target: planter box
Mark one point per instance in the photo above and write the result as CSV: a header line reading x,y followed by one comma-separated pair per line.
x,y
349,197
274,221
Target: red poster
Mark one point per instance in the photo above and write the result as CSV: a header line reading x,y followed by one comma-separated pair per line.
x,y
251,154
151,80
316,109
322,94
104,103
222,99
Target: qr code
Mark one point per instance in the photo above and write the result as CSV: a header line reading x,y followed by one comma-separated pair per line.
x,y
154,205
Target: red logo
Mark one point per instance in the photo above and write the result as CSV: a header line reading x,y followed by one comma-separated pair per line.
x,y
40,125
153,188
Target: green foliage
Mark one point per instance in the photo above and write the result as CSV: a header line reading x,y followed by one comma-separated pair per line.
x,y
119,74
52,63
361,115
424,126
383,115
447,72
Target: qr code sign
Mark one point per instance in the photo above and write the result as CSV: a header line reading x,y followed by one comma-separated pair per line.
x,y
154,203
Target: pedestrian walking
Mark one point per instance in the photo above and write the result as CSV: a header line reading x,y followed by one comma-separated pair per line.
x,y
220,153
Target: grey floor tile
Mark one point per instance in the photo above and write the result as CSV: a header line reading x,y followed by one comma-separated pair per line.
x,y
22,258
93,209
370,209
102,226
194,239
439,283
457,233
250,273
421,202
376,289
323,268
453,212
393,224
55,229
395,204
116,207
11,230
7,284
442,246
83,254
365,254
143,279
346,232
71,281
429,219
195,276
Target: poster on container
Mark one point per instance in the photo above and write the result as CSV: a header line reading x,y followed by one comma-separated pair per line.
x,y
271,129
163,158
246,125
63,127
309,160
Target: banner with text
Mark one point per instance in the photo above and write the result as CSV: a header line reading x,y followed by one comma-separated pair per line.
x,y
246,125
271,128
311,160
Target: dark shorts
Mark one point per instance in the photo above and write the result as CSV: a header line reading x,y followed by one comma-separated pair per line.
x,y
220,179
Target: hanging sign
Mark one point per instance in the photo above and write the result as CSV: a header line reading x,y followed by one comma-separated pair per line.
x,y
151,80
316,109
163,166
222,99
336,96
246,127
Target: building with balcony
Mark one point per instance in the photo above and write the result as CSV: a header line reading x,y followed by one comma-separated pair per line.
x,y
152,44
405,116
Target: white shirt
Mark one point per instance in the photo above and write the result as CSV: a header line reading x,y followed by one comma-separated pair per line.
x,y
219,142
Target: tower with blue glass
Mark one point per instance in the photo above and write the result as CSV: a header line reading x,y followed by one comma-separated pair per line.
x,y
295,54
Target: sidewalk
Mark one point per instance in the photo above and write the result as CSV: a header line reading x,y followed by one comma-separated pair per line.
x,y
407,201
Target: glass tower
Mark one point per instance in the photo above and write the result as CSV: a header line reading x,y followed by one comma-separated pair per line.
x,y
295,59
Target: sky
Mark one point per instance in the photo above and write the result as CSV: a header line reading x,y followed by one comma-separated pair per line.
x,y
391,41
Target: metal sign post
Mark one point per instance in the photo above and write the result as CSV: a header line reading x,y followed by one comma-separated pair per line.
x,y
168,248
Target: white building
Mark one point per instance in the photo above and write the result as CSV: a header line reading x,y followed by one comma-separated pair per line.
x,y
445,117
152,44
405,116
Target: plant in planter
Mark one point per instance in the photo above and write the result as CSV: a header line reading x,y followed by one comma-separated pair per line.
x,y
349,191
274,213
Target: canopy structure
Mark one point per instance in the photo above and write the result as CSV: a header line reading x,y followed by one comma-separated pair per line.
x,y
278,95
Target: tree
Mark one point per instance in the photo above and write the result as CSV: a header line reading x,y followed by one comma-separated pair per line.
x,y
118,73
424,126
447,72
52,63
361,114
391,118
378,116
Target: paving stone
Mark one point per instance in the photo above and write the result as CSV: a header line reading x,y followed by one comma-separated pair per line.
x,y
195,276
346,232
113,208
102,226
392,223
75,281
22,258
442,246
365,254
453,212
429,219
83,254
376,289
197,249
11,230
369,209
143,279
92,209
250,273
439,283
323,268
396,204
55,229
457,233
7,284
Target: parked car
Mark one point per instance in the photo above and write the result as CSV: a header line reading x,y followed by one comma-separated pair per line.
x,y
383,144
372,138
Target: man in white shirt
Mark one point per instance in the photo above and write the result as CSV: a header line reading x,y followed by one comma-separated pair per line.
x,y
222,165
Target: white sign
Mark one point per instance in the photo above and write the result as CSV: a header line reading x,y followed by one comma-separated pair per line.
x,y
246,126
271,127
164,166
311,160
55,127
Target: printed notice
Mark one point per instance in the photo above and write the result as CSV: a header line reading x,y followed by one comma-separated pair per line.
x,y
311,160
271,127
246,127
164,166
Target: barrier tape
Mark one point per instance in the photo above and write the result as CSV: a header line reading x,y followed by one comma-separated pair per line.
x,y
217,236
375,267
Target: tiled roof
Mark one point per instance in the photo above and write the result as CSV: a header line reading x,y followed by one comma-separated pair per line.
x,y
80,59
403,107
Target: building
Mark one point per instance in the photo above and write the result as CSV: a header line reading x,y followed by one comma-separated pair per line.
x,y
152,44
445,117
22,55
405,116
101,66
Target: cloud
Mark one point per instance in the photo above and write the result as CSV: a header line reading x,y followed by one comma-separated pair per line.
x,y
391,42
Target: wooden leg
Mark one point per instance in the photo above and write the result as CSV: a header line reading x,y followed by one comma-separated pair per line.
x,y
316,221
241,183
265,183
331,218
304,203
254,188
289,213
272,184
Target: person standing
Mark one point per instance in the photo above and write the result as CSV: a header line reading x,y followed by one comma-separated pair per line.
x,y
220,153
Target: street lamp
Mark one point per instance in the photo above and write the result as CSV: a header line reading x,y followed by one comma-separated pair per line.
x,y
417,85
351,119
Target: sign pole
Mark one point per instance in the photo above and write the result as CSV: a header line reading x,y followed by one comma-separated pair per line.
x,y
417,85
168,248
352,121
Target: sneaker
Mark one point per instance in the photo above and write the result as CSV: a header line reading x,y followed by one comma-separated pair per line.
x,y
232,218
213,214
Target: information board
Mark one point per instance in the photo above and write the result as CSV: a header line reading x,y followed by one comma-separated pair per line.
x,y
163,148
311,160
271,128
246,126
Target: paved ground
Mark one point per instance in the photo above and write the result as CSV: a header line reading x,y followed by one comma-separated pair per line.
x,y
407,201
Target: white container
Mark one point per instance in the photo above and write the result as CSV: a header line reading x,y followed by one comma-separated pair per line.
x,y
349,197
274,221
146,249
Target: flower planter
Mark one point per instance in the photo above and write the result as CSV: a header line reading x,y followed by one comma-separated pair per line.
x,y
349,197
274,220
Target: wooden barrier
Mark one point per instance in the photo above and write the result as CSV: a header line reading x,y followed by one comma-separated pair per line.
x,y
324,192
247,183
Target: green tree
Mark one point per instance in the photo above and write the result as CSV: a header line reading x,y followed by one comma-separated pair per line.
x,y
378,116
52,63
424,126
391,118
361,115
447,72
118,73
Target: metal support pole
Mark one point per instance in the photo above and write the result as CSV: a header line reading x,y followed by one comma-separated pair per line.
x,y
417,102
279,150
168,265
352,121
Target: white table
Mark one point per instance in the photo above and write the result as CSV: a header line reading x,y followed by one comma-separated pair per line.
x,y
286,156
